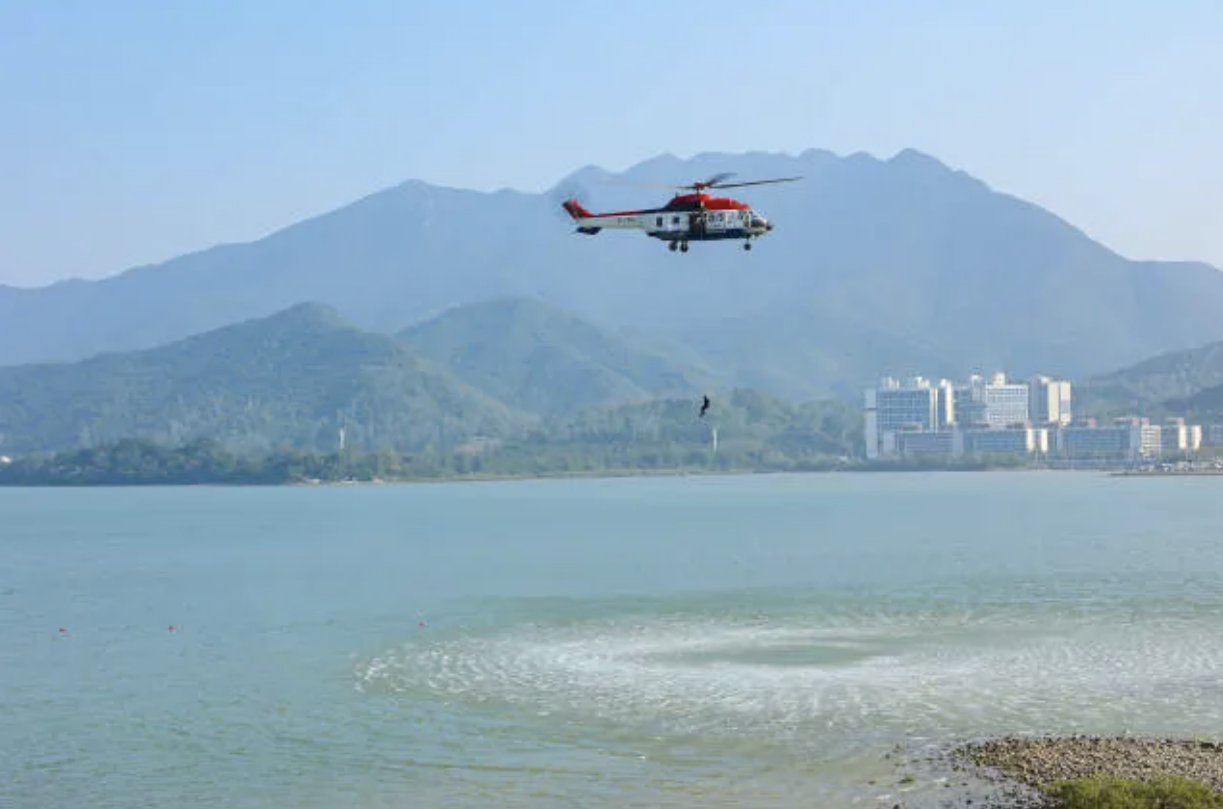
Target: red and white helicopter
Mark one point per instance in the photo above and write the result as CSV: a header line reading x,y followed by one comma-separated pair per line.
x,y
696,217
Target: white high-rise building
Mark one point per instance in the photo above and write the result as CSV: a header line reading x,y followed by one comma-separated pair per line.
x,y
1049,401
995,403
1179,438
911,406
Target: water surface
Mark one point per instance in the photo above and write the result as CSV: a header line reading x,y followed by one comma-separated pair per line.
x,y
697,642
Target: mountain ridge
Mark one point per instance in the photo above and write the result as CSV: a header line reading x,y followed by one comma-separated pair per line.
x,y
909,155
892,253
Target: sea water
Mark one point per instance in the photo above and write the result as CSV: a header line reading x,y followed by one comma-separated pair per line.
x,y
766,641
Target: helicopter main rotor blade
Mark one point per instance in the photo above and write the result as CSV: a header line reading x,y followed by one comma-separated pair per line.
x,y
710,183
714,180
758,182
646,185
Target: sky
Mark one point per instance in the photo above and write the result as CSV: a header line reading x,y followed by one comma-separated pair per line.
x,y
132,132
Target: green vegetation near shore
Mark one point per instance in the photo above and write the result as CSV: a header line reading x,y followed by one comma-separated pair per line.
x,y
603,446
1107,792
1092,772
144,462
140,461
754,432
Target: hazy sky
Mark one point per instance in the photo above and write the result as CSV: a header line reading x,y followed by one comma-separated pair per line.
x,y
134,131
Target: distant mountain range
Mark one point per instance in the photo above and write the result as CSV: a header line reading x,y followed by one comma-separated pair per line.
x,y
505,369
896,266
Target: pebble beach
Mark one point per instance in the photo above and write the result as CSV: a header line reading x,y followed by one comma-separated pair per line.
x,y
1016,768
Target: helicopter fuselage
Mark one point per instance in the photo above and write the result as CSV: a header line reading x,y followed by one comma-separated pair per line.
x,y
686,218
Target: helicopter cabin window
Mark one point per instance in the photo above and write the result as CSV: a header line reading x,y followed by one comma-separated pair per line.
x,y
658,221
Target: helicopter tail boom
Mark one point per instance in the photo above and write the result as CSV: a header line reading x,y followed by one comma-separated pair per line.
x,y
575,209
578,213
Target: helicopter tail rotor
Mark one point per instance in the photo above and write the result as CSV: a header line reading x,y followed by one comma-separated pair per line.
x,y
563,201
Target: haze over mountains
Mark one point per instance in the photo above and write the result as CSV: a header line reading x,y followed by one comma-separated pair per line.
x,y
894,266
505,370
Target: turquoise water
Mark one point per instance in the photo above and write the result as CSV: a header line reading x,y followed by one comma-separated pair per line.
x,y
692,642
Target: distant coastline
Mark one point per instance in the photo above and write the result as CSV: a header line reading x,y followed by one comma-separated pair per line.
x,y
1165,473
141,462
71,481
64,478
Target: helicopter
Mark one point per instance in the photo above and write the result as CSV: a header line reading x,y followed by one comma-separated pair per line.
x,y
695,216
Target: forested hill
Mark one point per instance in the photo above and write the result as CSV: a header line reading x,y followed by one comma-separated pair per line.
x,y
746,431
292,379
1165,384
540,359
577,394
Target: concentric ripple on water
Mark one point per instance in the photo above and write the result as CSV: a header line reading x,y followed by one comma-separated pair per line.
x,y
832,682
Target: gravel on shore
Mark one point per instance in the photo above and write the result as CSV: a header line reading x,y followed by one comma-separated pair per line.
x,y
1012,772
1041,761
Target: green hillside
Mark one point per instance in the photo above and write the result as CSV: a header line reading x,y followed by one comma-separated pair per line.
x,y
1147,386
755,430
1204,406
276,390
287,380
537,358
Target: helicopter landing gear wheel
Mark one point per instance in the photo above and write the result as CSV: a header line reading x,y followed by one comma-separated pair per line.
x,y
683,247
671,246
747,245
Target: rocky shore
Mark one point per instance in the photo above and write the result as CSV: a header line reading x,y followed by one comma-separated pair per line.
x,y
1021,767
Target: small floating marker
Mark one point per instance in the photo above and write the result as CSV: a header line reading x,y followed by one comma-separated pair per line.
x,y
172,629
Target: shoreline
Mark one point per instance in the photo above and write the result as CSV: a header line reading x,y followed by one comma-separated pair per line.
x,y
614,474
1020,772
1169,473
606,474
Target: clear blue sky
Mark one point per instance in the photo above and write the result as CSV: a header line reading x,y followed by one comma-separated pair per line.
x,y
136,131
